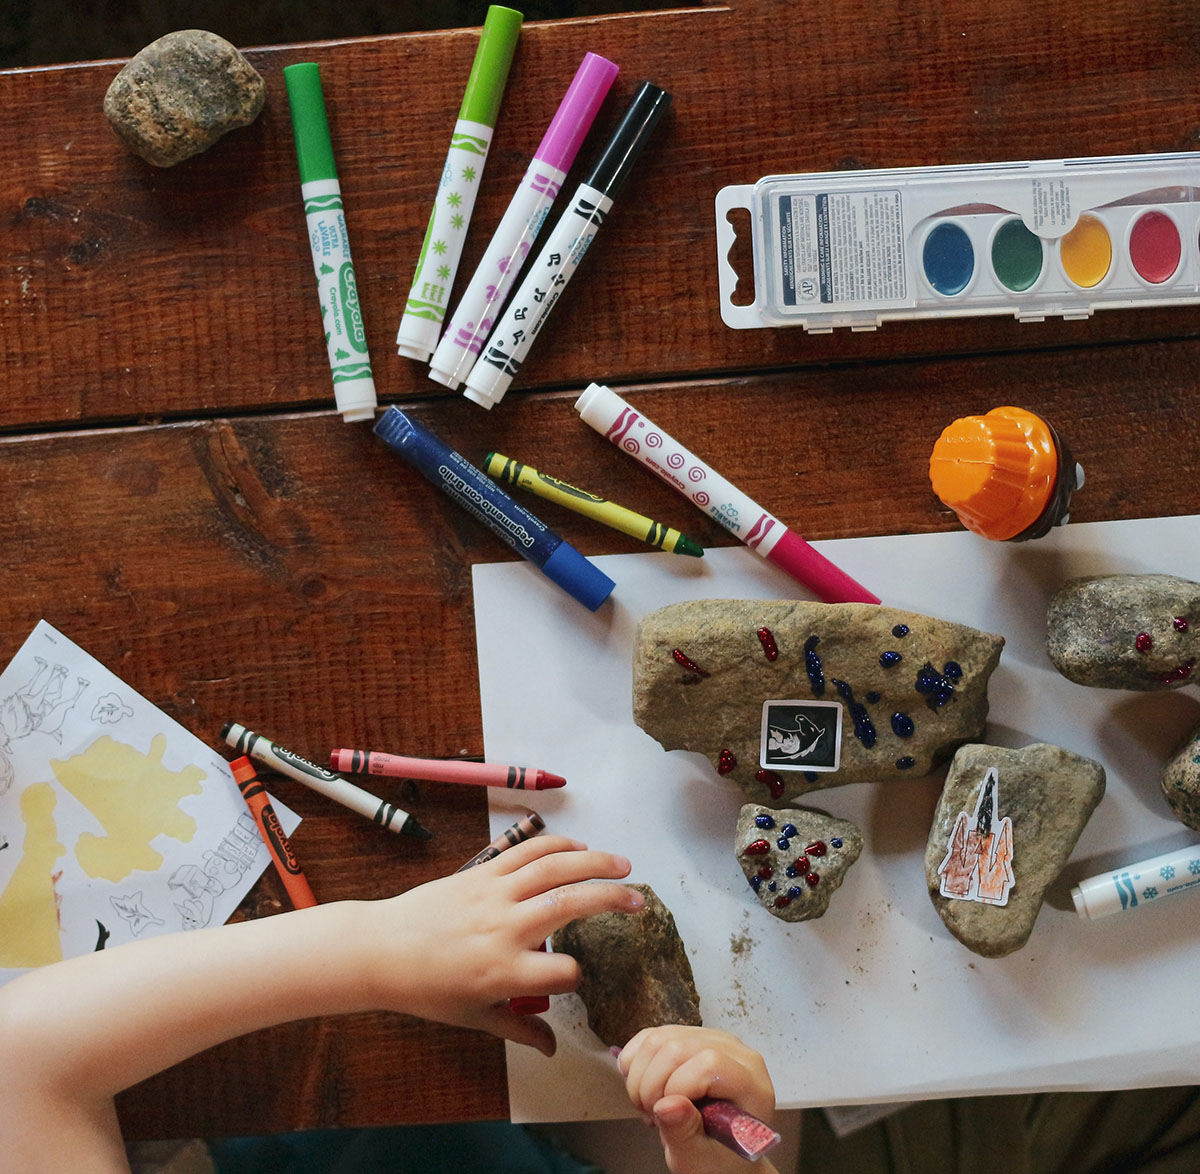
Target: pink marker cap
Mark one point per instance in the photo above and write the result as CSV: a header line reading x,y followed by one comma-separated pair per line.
x,y
805,564
575,113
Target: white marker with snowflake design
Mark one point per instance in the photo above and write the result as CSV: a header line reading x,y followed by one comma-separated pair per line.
x,y
1138,884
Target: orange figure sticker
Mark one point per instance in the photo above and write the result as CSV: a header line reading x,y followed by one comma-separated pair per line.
x,y
979,860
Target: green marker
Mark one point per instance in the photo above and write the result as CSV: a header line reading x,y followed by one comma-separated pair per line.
x,y
425,310
345,337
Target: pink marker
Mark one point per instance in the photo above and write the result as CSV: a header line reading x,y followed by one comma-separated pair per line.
x,y
765,534
513,239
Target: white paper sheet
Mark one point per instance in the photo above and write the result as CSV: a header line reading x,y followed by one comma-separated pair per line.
x,y
116,823
875,1001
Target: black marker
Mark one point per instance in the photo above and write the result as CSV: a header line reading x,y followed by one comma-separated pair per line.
x,y
325,781
512,339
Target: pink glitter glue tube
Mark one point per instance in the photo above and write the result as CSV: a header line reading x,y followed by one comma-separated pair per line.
x,y
736,1129
513,239
630,431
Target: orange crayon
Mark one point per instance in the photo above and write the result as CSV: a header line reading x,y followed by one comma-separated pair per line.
x,y
272,833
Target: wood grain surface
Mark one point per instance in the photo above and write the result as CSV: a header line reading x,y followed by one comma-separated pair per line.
x,y
177,496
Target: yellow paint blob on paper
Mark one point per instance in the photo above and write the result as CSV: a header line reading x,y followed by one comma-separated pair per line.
x,y
134,797
29,905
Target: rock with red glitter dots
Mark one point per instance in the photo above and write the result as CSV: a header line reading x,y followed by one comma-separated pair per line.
x,y
778,852
1126,631
908,689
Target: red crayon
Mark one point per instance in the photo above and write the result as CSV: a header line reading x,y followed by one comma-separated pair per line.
x,y
527,826
444,770
272,833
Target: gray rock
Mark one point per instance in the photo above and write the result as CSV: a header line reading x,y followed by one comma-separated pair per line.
x,y
635,971
795,859
180,94
1046,795
1181,781
1125,631
907,689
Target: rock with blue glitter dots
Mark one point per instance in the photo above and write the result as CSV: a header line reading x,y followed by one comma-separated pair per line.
x,y
794,859
1181,781
853,693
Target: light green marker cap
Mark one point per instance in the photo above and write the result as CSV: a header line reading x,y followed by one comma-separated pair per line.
x,y
314,150
485,86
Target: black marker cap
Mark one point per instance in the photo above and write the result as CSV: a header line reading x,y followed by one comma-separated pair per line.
x,y
637,124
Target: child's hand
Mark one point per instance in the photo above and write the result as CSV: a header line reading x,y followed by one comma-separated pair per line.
x,y
457,948
667,1068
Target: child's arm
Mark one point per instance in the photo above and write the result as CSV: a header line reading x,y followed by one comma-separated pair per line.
x,y
76,1033
667,1068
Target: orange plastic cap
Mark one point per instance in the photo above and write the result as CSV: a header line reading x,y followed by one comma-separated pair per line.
x,y
996,471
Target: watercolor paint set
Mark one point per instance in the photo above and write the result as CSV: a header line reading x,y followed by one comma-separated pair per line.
x,y
1058,237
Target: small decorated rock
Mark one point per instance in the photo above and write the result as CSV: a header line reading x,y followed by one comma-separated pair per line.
x,y
1181,782
1125,631
1005,825
180,94
635,971
794,859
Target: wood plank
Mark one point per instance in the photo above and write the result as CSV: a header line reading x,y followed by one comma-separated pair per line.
x,y
129,293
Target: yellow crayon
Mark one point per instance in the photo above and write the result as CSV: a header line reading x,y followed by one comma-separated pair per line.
x,y
599,509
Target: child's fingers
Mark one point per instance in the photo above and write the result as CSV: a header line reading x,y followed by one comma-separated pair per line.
x,y
516,857
566,868
529,1030
546,974
711,1073
547,912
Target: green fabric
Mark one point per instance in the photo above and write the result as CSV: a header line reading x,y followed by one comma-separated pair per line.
x,y
1145,1131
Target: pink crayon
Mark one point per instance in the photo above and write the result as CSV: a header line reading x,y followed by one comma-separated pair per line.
x,y
444,770
765,534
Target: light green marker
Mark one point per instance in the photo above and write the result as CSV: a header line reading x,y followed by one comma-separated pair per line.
x,y
345,338
425,309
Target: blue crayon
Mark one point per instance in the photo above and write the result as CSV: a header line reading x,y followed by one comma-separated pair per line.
x,y
511,522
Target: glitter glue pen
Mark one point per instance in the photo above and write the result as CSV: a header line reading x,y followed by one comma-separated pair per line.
x,y
512,523
1138,884
475,315
630,431
425,308
345,336
510,343
323,781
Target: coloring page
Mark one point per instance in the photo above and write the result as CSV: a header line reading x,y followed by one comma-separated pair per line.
x,y
116,823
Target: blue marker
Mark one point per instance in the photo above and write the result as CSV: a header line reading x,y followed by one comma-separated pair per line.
x,y
512,523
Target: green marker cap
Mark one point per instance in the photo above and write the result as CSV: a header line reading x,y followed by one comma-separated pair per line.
x,y
485,86
314,150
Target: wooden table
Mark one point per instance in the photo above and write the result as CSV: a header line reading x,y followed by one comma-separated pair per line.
x,y
178,497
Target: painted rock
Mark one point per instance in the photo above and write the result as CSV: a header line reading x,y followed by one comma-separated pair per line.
x,y
180,94
788,696
794,859
635,970
1005,825
1125,631
1181,782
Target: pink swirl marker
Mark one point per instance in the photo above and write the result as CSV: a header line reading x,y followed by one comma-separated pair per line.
x,y
630,431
